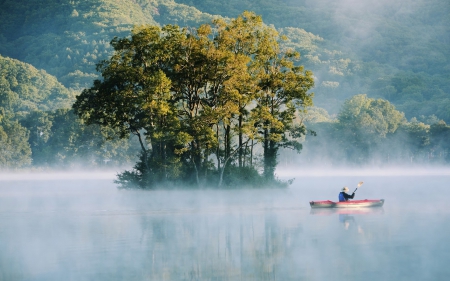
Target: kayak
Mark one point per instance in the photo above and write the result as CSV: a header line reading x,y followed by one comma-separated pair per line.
x,y
347,204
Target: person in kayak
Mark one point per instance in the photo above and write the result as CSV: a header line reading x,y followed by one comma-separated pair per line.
x,y
343,196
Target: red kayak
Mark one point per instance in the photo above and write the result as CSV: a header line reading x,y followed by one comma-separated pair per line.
x,y
347,204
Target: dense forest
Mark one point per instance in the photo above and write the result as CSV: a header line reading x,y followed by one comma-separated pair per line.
x,y
395,50
369,60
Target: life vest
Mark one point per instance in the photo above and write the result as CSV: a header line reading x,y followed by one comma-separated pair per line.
x,y
341,197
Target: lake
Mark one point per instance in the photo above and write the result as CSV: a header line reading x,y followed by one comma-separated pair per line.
x,y
81,227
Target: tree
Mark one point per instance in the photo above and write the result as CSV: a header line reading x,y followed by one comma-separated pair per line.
x,y
15,151
240,38
364,122
417,138
133,98
39,124
188,92
58,139
439,136
283,90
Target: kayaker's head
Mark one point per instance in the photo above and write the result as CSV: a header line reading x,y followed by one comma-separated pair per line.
x,y
345,189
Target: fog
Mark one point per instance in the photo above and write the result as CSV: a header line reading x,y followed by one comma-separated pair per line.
x,y
363,21
82,227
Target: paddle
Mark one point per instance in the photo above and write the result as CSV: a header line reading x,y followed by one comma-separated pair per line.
x,y
359,184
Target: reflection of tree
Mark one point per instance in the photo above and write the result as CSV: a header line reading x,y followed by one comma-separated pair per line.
x,y
223,246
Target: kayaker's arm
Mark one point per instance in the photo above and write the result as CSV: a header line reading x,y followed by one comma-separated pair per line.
x,y
347,196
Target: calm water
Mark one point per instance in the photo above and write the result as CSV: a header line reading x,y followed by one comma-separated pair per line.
x,y
83,228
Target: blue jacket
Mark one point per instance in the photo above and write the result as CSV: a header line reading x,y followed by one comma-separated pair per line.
x,y
344,196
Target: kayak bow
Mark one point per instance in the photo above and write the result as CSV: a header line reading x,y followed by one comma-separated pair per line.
x,y
347,204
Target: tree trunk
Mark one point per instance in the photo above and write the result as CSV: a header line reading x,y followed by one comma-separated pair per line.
x,y
240,141
144,150
251,155
221,172
225,164
218,148
227,141
270,157
205,163
196,172
193,158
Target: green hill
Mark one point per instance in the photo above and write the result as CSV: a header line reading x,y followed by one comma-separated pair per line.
x,y
409,34
67,38
24,89
392,50
401,47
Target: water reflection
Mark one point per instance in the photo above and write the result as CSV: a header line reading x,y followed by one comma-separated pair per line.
x,y
346,217
347,211
85,232
253,245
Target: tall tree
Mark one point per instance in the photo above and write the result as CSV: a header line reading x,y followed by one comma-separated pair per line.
x,y
133,97
283,90
240,37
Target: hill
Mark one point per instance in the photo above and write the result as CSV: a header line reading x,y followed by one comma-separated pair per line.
x,y
392,50
401,47
67,38
24,89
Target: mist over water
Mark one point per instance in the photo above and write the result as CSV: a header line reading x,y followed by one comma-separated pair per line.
x,y
84,228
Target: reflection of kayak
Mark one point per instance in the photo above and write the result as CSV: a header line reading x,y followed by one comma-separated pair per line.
x,y
346,211
348,204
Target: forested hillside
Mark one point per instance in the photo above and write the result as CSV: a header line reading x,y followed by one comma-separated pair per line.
x,y
411,35
396,51
393,50
67,38
24,88
37,127
402,46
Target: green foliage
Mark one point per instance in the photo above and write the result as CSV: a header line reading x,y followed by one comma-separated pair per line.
x,y
70,37
369,131
23,88
418,135
439,136
171,12
350,45
376,118
396,51
37,130
313,115
15,151
365,123
185,93
58,139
